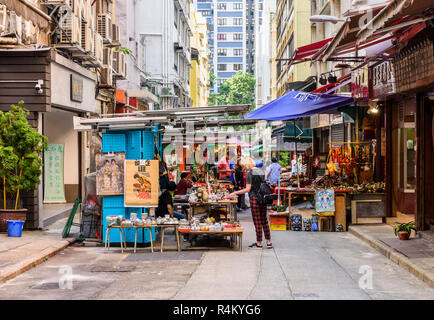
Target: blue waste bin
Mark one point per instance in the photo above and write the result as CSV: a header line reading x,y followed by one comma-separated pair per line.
x,y
15,228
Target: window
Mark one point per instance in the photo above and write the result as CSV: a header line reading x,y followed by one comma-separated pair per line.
x,y
221,67
238,36
237,66
238,6
238,52
221,36
206,13
221,6
238,21
221,21
222,52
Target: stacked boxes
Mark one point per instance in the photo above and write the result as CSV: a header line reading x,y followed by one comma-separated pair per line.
x,y
278,222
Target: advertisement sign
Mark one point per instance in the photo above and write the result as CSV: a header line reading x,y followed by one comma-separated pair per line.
x,y
110,173
54,188
383,80
141,183
359,83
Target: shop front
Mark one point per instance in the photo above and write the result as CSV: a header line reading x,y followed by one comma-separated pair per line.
x,y
409,135
72,94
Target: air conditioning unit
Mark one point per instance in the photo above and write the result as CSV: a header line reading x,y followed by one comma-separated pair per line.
x,y
115,33
104,26
58,2
15,24
107,57
71,29
107,75
119,64
98,51
3,18
115,61
86,37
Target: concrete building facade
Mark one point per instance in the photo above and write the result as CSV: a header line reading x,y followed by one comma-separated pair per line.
x,y
164,30
199,73
233,24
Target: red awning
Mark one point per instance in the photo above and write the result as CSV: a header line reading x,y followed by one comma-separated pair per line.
x,y
310,49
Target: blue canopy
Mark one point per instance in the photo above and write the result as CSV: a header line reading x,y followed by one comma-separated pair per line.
x,y
296,104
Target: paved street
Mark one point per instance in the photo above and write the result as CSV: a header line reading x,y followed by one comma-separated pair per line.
x,y
302,265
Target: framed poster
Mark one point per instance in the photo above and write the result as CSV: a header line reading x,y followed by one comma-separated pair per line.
x,y
325,200
110,173
141,183
54,188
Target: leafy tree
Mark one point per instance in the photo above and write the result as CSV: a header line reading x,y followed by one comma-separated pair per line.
x,y
21,147
240,89
212,99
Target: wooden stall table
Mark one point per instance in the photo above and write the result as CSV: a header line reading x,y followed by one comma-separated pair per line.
x,y
164,227
229,204
340,202
237,232
121,237
143,233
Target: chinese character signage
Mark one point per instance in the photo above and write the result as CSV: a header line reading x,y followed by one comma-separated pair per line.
x,y
110,174
76,88
54,188
383,80
359,83
141,183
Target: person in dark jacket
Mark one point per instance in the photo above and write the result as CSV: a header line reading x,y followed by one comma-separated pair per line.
x,y
239,184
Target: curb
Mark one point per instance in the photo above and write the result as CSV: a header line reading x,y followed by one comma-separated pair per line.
x,y
395,256
16,269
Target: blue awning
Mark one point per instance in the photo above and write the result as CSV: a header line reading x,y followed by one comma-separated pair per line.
x,y
297,104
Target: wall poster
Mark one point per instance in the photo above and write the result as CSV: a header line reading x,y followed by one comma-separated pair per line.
x,y
141,183
325,200
110,173
54,188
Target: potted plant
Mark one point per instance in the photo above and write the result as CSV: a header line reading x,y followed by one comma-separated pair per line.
x,y
21,148
403,230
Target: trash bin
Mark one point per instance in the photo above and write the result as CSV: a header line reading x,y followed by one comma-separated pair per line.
x,y
15,228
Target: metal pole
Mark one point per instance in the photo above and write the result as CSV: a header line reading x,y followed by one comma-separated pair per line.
x,y
296,157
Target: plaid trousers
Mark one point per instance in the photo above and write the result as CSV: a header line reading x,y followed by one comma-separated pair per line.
x,y
259,215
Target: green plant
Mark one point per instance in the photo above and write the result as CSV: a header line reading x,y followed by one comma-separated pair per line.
x,y
21,148
124,50
284,159
404,227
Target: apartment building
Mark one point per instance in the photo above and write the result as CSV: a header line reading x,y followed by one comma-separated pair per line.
x,y
263,54
199,73
292,31
164,31
59,57
233,26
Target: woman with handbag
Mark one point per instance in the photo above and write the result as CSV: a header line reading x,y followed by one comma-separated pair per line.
x,y
239,184
254,178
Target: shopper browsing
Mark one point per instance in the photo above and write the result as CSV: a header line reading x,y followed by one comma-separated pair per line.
x,y
255,177
274,173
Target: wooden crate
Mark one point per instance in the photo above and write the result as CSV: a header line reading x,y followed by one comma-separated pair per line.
x,y
278,227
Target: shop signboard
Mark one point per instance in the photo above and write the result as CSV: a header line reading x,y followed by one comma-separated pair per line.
x,y
110,173
76,88
382,80
319,120
359,83
54,188
141,183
